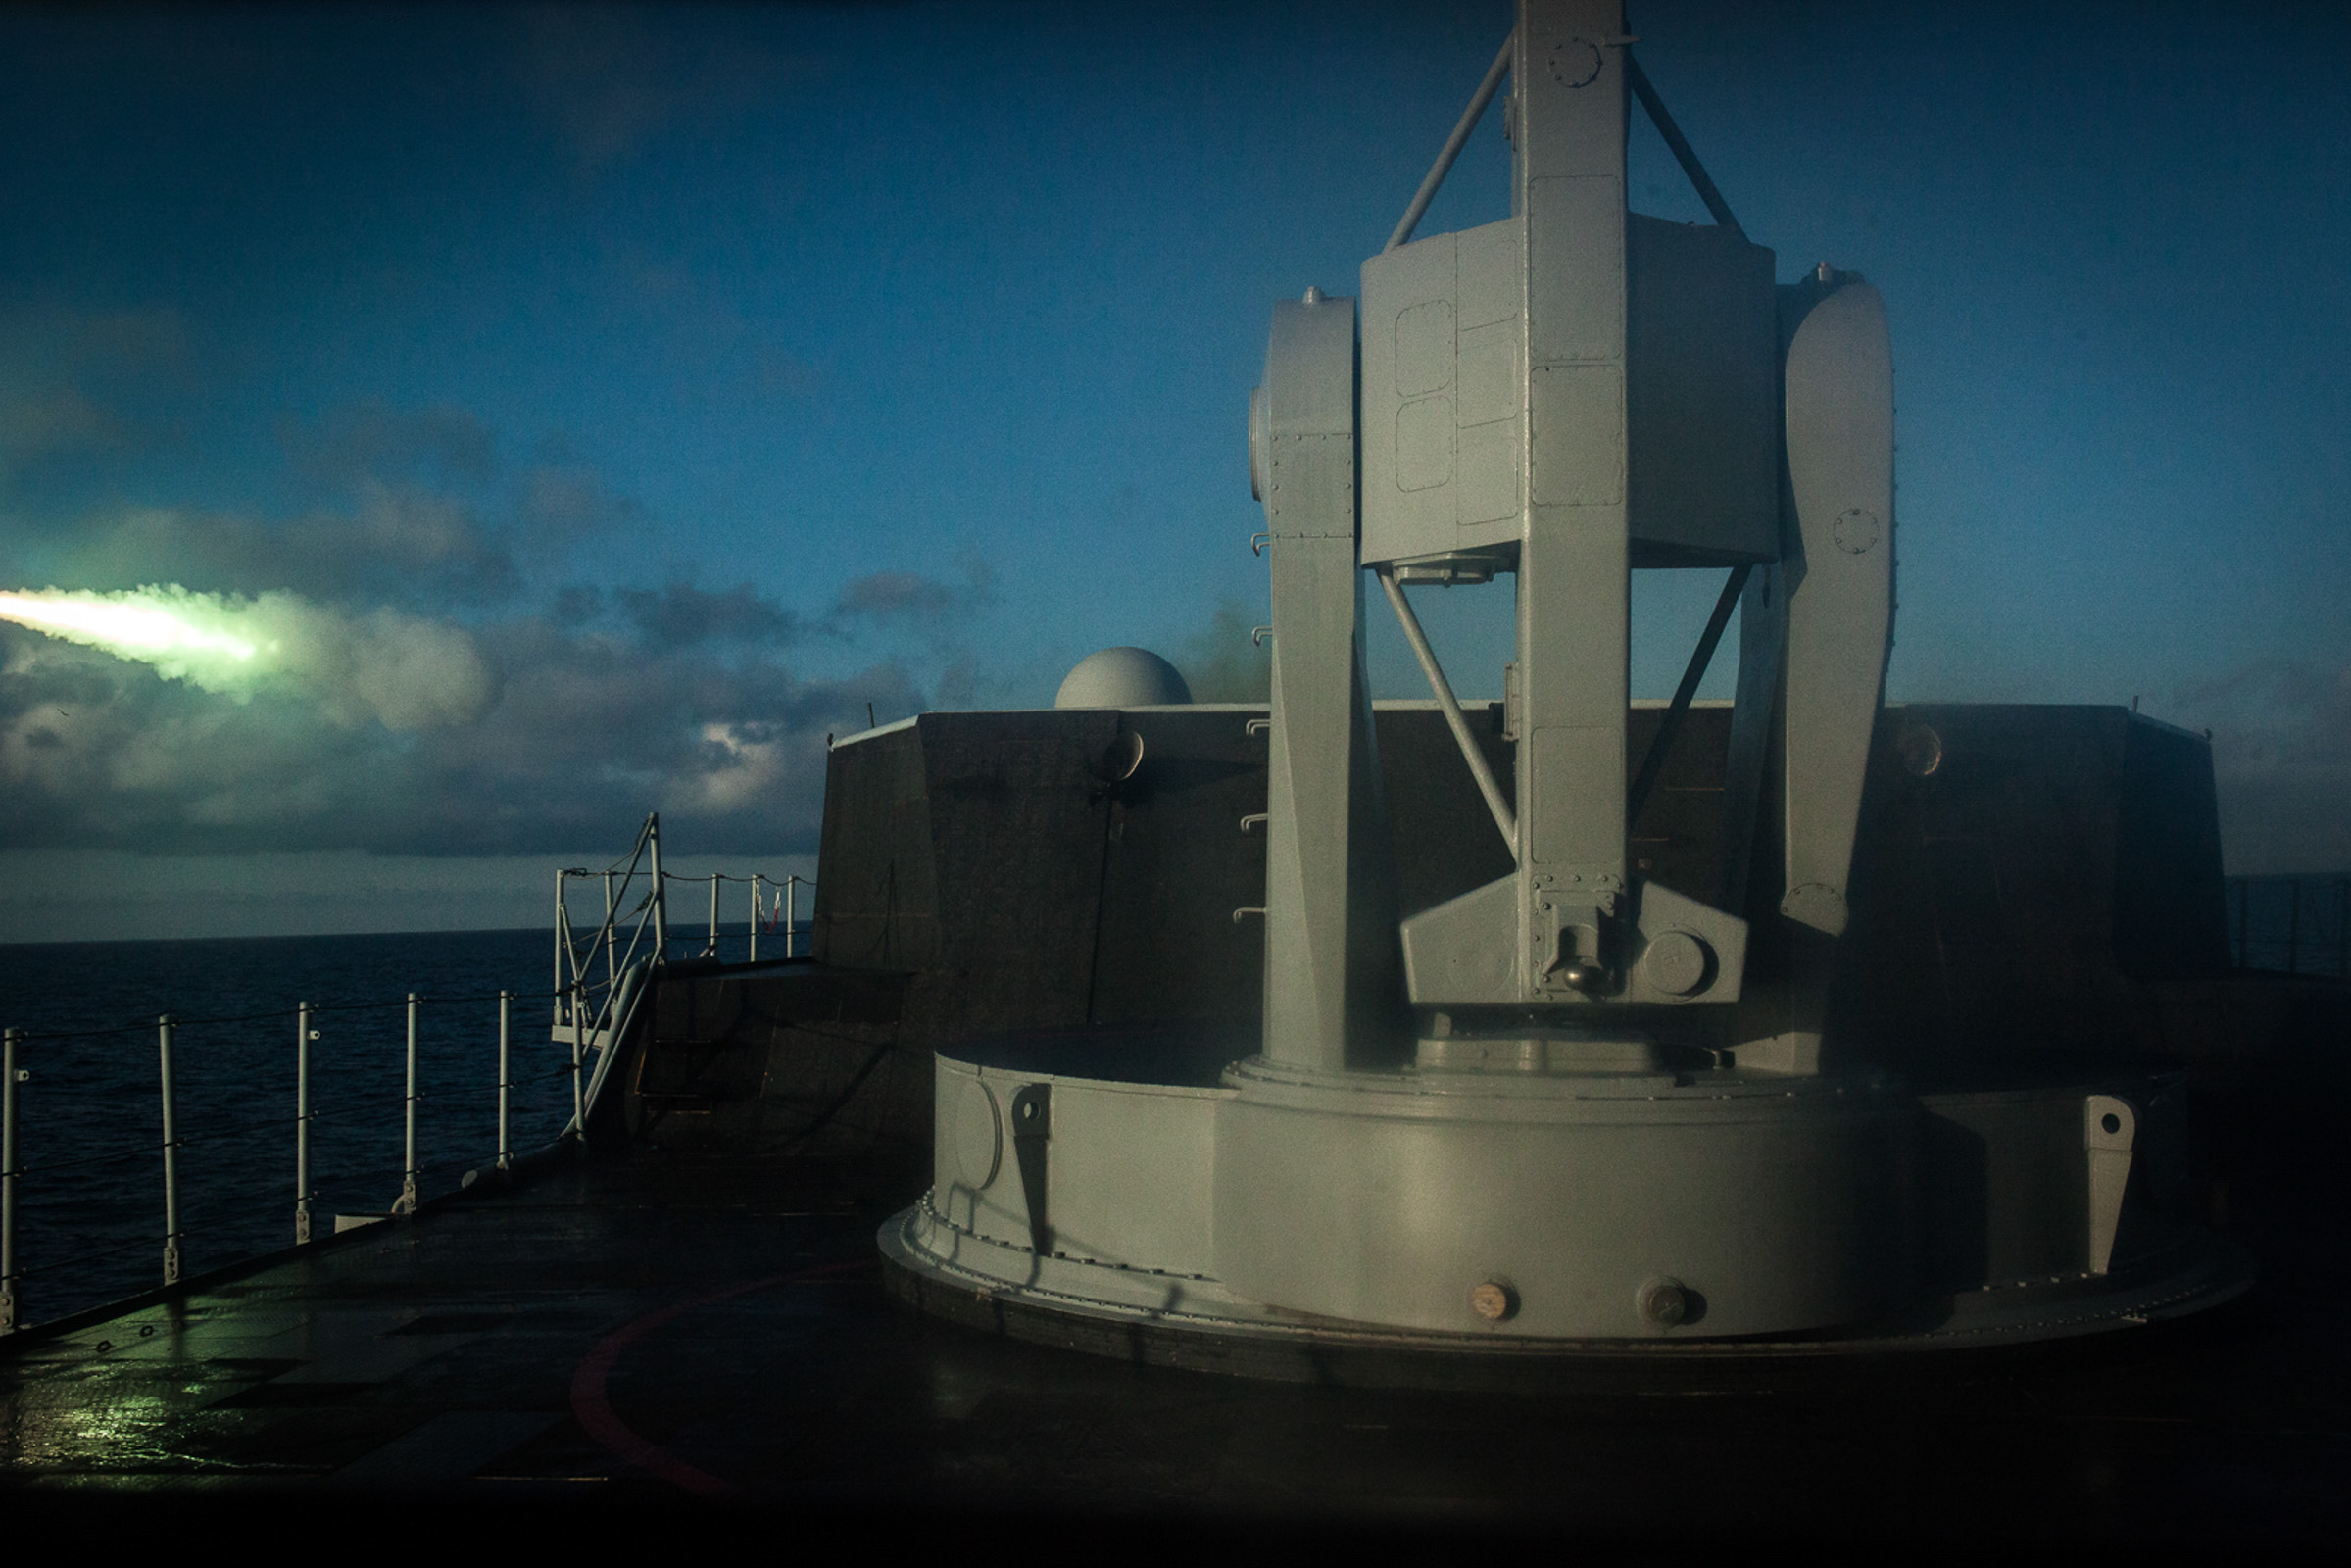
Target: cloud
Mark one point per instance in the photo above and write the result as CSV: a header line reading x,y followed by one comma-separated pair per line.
x,y
566,736
400,670
893,592
408,672
414,547
681,615
427,695
414,506
2281,760
909,597
941,616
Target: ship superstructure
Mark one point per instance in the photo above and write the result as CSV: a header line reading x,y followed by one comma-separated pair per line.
x,y
1573,1104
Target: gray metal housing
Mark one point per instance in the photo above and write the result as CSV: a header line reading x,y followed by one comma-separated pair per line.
x,y
1574,1104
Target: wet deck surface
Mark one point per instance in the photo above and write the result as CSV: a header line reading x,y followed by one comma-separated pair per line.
x,y
660,1331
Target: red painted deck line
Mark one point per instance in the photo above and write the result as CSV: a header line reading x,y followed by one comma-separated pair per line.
x,y
592,1403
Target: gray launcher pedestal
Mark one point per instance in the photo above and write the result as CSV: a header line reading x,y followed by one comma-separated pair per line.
x,y
1509,1212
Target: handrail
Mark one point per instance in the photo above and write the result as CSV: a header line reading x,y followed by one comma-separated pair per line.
x,y
171,1033
624,1019
602,978
774,899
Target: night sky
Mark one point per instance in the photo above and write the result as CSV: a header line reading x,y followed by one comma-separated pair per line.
x,y
686,380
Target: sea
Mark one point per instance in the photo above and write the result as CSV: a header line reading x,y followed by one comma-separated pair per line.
x,y
90,1192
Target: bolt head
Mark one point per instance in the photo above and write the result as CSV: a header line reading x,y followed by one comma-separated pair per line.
x,y
1492,1300
1663,1301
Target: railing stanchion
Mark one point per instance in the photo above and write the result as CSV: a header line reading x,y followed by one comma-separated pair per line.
x,y
716,879
579,1097
610,972
408,1179
562,939
661,890
792,915
755,916
505,1152
9,1080
163,1048
303,1036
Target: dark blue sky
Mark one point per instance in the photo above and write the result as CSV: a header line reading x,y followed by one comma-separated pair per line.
x,y
794,358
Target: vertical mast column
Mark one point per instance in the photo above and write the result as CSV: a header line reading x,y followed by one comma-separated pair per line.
x,y
1572,588
1330,923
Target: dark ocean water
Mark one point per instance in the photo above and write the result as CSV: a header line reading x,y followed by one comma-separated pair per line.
x,y
90,1199
2291,924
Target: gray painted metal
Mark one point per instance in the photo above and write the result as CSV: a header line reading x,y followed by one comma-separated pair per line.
x,y
1121,677
8,1181
1566,394
1330,908
304,1034
1400,1195
1815,630
1702,390
1561,1158
1935,1222
2109,1127
171,1235
1838,587
1573,607
506,1019
409,1191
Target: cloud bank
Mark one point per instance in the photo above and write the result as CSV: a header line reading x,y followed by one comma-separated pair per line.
x,y
406,735
418,678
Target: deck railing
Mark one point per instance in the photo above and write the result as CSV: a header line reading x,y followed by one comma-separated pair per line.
x,y
25,1050
603,973
2290,924
591,965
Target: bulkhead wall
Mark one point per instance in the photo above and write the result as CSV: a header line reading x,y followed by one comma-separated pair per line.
x,y
992,859
2036,890
2029,882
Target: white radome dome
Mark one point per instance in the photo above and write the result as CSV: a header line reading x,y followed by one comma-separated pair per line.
x,y
1122,678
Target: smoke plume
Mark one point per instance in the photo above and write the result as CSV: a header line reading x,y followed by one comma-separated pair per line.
x,y
402,671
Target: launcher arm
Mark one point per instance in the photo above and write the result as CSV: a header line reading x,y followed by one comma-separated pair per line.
x,y
1817,626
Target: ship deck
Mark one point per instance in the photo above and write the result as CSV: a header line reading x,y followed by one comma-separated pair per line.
x,y
666,1329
